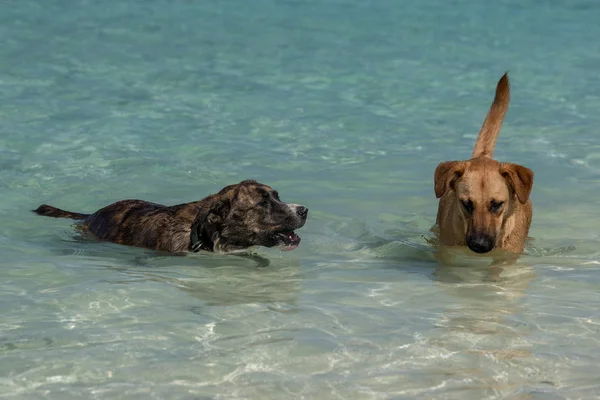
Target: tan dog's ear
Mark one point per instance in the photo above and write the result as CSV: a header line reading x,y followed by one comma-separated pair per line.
x,y
446,175
519,178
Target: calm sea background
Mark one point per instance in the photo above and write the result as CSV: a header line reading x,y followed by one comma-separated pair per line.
x,y
345,106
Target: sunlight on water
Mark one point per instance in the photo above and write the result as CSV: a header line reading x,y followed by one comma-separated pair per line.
x,y
345,106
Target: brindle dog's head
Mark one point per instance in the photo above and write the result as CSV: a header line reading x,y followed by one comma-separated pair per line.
x,y
486,194
248,214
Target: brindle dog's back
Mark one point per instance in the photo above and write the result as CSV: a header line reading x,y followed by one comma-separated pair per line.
x,y
144,224
136,223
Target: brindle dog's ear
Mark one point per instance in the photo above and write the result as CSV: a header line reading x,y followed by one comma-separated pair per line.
x,y
446,175
519,179
209,223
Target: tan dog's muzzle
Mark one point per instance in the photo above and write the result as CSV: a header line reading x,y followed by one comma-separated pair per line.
x,y
480,242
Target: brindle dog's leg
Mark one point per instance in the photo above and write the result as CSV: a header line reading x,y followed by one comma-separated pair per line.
x,y
261,262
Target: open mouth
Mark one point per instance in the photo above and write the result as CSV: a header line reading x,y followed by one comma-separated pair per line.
x,y
287,240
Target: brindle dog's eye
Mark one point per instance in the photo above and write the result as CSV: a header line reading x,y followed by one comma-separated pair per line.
x,y
265,200
495,206
467,205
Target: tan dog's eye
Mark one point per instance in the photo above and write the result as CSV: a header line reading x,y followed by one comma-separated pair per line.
x,y
495,206
468,206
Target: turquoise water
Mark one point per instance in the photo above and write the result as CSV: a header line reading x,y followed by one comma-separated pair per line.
x,y
345,106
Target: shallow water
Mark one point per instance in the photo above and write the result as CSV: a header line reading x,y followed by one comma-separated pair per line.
x,y
345,106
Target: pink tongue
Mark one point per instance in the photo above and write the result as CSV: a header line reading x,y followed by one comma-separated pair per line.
x,y
289,247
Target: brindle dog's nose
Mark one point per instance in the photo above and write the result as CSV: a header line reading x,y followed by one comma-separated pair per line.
x,y
302,211
480,243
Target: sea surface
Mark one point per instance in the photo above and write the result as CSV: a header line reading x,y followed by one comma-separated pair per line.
x,y
345,106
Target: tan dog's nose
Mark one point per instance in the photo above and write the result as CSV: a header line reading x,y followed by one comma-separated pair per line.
x,y
480,243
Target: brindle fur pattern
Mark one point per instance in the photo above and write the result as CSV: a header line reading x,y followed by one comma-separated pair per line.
x,y
239,216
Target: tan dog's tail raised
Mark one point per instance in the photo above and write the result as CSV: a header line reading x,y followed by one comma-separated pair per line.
x,y
49,211
486,141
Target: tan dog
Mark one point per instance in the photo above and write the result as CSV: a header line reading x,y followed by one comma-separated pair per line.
x,y
485,204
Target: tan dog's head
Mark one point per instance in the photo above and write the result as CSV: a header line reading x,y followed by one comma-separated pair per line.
x,y
486,193
249,214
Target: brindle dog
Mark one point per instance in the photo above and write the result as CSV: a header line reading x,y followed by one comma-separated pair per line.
x,y
239,216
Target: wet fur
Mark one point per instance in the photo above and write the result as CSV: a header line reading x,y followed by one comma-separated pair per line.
x,y
239,216
483,183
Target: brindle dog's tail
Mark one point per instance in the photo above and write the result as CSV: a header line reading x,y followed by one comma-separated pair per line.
x,y
486,141
54,212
